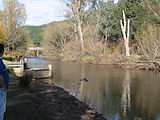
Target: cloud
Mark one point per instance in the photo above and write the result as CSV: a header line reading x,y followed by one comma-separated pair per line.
x,y
0,4
44,11
116,1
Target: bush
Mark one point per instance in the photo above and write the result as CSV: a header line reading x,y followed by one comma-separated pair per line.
x,y
149,42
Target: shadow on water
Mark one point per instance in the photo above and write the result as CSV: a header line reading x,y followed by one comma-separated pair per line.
x,y
119,94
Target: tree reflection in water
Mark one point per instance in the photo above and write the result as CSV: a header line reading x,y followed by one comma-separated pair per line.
x,y
126,94
119,94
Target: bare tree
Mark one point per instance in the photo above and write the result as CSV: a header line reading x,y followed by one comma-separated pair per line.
x,y
125,27
149,42
76,7
84,14
14,17
56,35
153,6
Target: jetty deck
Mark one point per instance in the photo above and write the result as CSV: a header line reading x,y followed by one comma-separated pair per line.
x,y
36,73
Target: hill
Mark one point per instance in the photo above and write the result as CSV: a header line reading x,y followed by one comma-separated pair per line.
x,y
36,33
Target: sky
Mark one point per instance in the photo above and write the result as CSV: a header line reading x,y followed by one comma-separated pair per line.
x,y
41,12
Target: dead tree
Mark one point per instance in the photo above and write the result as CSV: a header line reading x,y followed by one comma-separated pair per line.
x,y
125,27
76,9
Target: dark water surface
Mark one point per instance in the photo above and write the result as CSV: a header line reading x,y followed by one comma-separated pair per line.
x,y
119,94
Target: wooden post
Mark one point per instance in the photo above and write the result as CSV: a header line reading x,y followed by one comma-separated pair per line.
x,y
50,70
22,67
37,52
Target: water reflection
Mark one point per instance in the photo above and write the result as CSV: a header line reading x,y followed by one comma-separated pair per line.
x,y
81,85
117,93
126,94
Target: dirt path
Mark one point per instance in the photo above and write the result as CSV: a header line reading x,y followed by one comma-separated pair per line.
x,y
20,104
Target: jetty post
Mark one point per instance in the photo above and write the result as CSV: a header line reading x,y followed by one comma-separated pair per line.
x,y
22,67
50,69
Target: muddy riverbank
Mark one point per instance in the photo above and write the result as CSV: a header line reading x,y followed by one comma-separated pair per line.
x,y
43,101
57,104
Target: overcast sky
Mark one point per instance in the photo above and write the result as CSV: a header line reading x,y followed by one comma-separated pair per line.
x,y
43,11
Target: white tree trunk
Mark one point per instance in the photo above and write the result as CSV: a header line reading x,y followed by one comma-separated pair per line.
x,y
80,35
125,26
75,6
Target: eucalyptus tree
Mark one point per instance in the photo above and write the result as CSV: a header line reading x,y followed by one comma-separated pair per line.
x,y
79,12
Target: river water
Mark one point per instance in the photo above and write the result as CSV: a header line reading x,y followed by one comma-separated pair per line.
x,y
119,94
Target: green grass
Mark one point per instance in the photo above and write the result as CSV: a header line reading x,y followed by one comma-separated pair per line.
x,y
88,58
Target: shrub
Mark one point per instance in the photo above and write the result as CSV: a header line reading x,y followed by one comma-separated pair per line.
x,y
149,42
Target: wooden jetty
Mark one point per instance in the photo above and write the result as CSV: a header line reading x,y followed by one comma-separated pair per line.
x,y
18,68
39,73
35,73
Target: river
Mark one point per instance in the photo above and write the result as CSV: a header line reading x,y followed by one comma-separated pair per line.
x,y
120,94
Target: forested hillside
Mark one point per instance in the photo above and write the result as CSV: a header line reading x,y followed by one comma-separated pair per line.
x,y
36,34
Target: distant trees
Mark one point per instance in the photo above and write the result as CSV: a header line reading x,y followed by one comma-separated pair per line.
x,y
14,18
133,9
106,10
79,35
36,34
94,29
